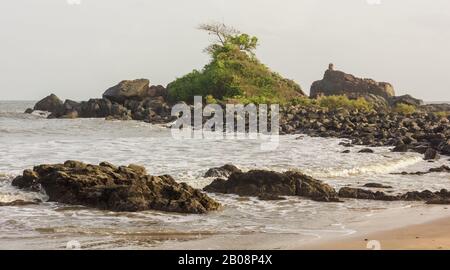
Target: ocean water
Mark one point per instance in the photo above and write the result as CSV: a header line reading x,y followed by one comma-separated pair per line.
x,y
28,140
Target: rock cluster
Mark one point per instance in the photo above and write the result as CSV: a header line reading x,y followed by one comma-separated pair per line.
x,y
129,100
421,132
123,188
272,185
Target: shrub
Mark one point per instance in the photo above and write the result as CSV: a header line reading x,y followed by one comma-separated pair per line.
x,y
405,108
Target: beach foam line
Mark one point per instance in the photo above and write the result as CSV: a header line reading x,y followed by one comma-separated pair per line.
x,y
378,168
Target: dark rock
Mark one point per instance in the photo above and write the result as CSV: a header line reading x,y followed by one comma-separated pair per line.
x,y
357,193
400,148
263,183
222,172
108,187
345,152
431,154
29,111
366,150
136,89
376,185
50,104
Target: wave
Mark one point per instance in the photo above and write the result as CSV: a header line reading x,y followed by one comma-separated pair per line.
x,y
377,168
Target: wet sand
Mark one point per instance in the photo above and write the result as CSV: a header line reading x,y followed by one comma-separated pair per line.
x,y
428,236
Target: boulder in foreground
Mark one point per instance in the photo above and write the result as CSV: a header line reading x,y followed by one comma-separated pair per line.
x,y
264,184
107,187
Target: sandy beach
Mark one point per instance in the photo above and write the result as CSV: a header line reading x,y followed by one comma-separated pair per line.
x,y
428,236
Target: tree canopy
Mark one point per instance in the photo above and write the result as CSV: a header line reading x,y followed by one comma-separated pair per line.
x,y
234,72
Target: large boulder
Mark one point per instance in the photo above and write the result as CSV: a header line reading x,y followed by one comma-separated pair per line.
x,y
263,183
105,186
50,104
337,82
135,89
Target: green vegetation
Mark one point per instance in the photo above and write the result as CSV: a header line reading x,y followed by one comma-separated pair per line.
x,y
443,114
334,103
234,73
405,108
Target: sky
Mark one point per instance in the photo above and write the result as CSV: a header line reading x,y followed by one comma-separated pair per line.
x,y
79,48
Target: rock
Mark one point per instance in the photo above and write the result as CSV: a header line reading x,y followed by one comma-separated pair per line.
x,y
222,172
357,193
260,183
114,188
270,197
136,89
18,203
366,150
431,154
400,148
345,152
376,185
442,201
29,111
405,99
339,83
157,91
50,104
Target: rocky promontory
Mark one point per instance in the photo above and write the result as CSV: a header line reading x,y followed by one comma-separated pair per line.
x,y
128,100
108,187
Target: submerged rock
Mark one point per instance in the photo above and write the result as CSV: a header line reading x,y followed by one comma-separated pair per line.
x,y
108,187
222,172
18,203
376,185
264,184
358,193
366,150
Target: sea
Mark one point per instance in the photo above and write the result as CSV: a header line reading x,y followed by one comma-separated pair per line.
x,y
27,140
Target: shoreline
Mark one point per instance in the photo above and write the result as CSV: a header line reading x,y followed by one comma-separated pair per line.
x,y
427,223
426,236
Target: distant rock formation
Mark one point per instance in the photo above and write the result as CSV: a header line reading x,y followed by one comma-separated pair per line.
x,y
337,82
128,100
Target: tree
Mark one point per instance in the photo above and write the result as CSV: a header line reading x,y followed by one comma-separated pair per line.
x,y
227,37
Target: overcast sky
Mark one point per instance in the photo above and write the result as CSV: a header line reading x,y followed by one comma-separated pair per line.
x,y
78,50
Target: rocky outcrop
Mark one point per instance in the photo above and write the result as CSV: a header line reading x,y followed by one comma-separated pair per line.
x,y
126,90
263,184
222,172
337,82
129,100
123,188
50,104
